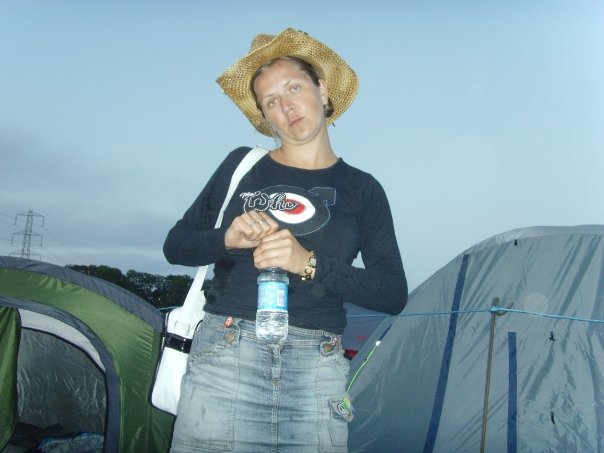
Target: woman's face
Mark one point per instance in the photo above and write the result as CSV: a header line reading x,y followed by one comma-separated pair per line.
x,y
291,102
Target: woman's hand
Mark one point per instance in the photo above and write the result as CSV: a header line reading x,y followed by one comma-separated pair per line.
x,y
281,249
247,230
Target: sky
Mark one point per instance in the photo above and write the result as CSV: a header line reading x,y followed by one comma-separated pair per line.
x,y
477,117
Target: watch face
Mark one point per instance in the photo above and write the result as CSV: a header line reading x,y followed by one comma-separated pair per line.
x,y
312,261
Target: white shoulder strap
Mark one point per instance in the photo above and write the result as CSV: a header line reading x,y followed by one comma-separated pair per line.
x,y
245,165
195,300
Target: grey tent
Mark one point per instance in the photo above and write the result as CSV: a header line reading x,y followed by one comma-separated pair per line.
x,y
360,324
501,350
79,353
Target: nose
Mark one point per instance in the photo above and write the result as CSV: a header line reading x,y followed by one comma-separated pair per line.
x,y
286,105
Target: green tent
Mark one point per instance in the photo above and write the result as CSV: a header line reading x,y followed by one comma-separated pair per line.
x,y
79,353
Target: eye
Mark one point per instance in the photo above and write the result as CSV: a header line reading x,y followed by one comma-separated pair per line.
x,y
295,88
271,102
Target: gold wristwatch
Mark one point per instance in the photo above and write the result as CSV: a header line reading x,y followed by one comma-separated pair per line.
x,y
310,266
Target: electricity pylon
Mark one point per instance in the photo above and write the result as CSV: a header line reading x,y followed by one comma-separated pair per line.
x,y
27,235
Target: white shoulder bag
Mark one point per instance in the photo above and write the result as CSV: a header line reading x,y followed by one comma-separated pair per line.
x,y
181,322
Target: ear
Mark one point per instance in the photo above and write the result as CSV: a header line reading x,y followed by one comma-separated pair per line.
x,y
323,91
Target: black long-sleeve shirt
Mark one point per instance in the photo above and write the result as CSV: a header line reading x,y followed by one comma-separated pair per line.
x,y
338,212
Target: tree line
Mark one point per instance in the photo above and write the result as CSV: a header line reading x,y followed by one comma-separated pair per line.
x,y
159,290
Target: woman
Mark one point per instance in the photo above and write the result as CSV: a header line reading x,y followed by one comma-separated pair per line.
x,y
304,210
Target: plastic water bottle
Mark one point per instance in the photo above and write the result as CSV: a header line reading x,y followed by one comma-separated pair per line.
x,y
272,318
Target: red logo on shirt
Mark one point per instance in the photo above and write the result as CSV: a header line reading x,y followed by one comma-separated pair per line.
x,y
294,208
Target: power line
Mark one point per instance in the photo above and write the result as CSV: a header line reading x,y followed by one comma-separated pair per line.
x,y
82,260
11,217
58,259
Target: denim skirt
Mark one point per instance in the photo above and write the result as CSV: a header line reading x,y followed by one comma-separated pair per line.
x,y
240,394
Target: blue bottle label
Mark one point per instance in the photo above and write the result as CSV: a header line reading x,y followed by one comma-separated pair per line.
x,y
272,296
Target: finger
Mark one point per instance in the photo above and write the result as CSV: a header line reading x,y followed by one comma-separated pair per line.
x,y
270,222
244,220
254,221
269,258
240,235
279,235
258,219
262,220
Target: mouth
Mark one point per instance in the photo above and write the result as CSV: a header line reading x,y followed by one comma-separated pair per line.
x,y
295,120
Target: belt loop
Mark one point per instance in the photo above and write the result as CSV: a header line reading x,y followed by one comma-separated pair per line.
x,y
335,339
230,321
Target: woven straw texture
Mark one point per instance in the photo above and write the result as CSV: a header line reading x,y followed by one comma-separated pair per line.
x,y
342,82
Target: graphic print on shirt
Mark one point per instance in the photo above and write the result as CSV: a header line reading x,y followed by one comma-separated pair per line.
x,y
299,210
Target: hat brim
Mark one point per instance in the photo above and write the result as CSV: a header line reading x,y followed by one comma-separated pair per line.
x,y
342,82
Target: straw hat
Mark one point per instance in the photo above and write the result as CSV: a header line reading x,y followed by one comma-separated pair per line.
x,y
342,83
